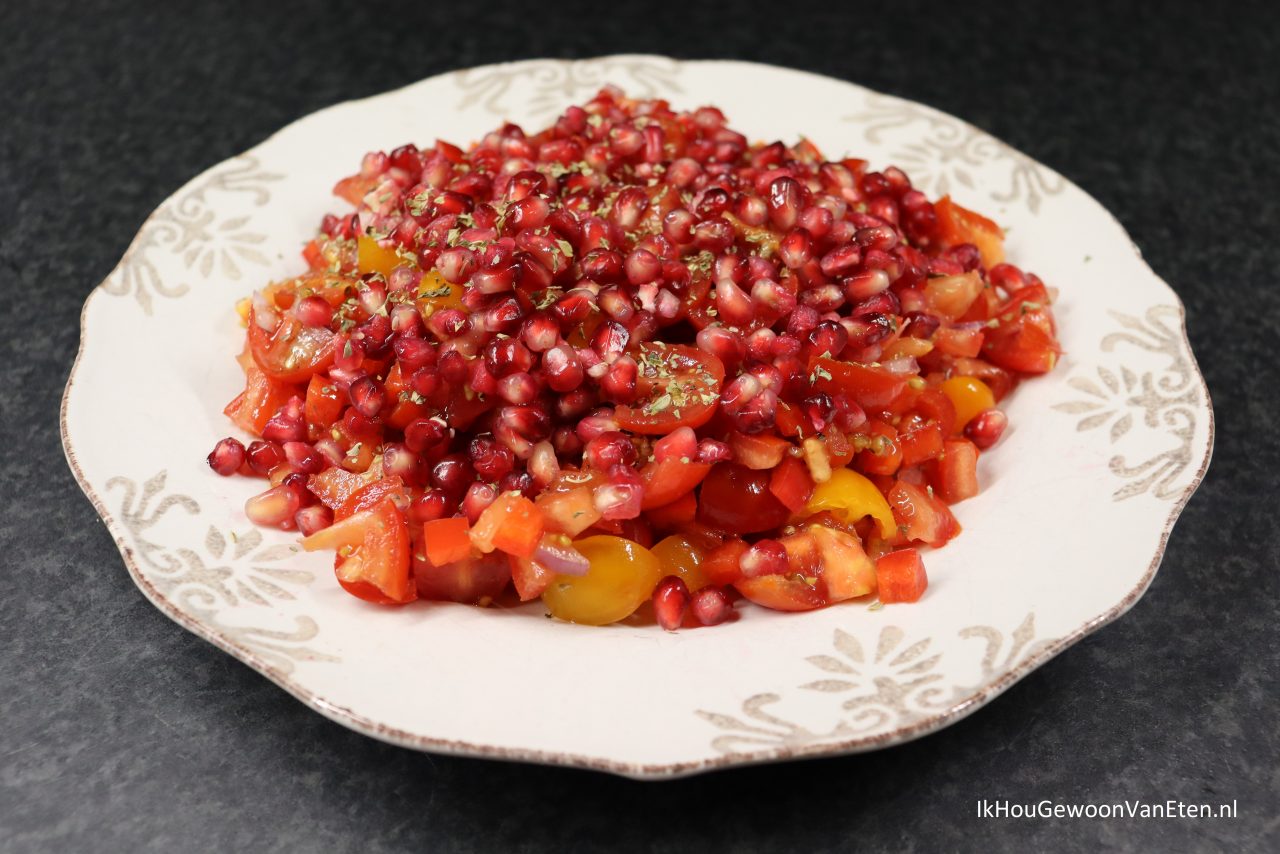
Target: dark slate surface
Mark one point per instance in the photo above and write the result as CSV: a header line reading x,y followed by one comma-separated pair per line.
x,y
120,732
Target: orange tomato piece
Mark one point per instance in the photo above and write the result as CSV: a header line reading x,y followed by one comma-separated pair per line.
x,y
446,540
666,480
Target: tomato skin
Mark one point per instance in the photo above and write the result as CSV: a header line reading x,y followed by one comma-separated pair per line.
x,y
621,578
959,342
852,496
672,369
737,499
761,451
682,557
901,577
334,486
872,387
667,480
920,441
1024,346
529,578
292,353
968,396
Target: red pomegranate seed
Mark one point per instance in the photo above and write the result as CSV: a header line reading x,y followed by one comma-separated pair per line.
x,y
713,235
823,298
376,335
457,264
562,368
784,202
841,260
711,606
287,425
424,434
618,385
540,333
479,496
490,458
765,557
603,266
679,444
670,602
829,337
732,304
413,353
303,458
618,500
986,428
802,321
543,465
313,311
273,508
227,456
881,237
518,388
862,285
678,225
328,447
366,396
608,449
819,409
796,249
348,353
308,520
452,474
399,461
503,356
264,456
448,324
725,344
610,340
430,505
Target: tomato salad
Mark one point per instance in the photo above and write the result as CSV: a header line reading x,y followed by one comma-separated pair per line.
x,y
632,358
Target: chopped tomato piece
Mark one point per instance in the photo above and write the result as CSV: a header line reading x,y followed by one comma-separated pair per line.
x,y
871,386
292,353
955,341
683,556
475,579
373,552
958,225
723,564
666,480
369,495
446,540
334,486
677,514
957,471
950,296
920,441
853,497
262,398
846,571
569,507
530,578
923,517
621,578
969,396
900,576
781,593
885,455
324,404
791,483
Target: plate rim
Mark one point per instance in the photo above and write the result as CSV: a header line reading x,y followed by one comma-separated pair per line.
x,y
635,770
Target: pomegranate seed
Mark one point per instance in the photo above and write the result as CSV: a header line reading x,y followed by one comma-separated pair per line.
x,y
713,235
608,449
618,500
862,285
430,505
303,458
313,311
617,304
399,461
274,507
618,384
680,444
504,317
490,459
802,321
479,496
713,451
829,337
518,388
816,220
413,353
760,345
503,356
456,265
308,520
367,396
540,333
922,325
610,340
574,404
448,324
784,202
841,260
531,422
425,434
711,606
227,456
823,298
263,456
765,557
881,237
732,304
287,425
867,331
603,266
819,409
479,378
725,344
986,428
562,368
543,465
769,294
452,474
678,225
670,602
796,249
328,447
521,482
376,335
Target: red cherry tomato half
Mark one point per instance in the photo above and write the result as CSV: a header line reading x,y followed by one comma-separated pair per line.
x,y
292,353
678,386
737,499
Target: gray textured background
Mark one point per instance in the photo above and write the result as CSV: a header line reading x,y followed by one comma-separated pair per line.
x,y
120,732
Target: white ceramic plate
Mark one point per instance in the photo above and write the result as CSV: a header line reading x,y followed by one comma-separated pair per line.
x,y
1078,501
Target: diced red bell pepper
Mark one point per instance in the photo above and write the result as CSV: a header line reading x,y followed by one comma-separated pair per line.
x,y
900,576
511,524
446,540
956,471
791,483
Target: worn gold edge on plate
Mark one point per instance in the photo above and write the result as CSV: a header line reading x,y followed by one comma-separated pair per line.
x,y
339,714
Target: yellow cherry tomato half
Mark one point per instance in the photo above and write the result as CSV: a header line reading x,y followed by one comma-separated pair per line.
x,y
850,494
970,396
622,576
